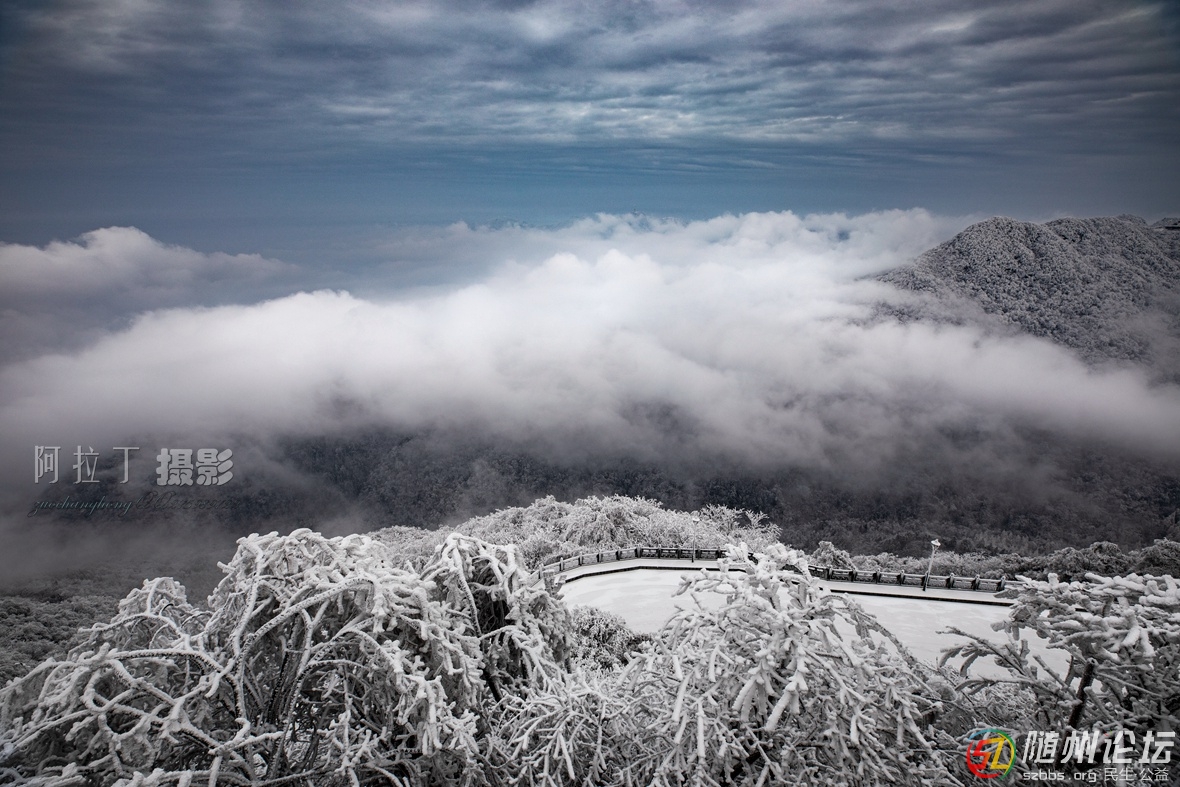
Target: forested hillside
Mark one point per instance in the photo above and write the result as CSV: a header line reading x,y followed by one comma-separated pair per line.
x,y
1023,491
1108,288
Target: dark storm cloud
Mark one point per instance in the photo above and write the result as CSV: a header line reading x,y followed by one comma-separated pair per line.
x,y
936,75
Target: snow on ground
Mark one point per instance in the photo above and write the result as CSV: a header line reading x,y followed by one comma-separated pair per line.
x,y
644,598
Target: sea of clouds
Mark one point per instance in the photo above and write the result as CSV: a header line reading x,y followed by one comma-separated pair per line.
x,y
756,338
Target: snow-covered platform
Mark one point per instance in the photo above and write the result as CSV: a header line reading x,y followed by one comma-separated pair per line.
x,y
644,597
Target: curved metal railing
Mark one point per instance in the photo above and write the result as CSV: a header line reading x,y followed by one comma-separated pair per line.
x,y
950,582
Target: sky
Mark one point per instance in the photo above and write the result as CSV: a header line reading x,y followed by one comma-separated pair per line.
x,y
306,131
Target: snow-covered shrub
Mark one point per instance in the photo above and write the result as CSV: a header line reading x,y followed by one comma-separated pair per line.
x,y
549,529
585,730
1162,557
122,700
784,683
781,685
829,555
523,631
603,639
947,561
1122,635
1102,557
320,663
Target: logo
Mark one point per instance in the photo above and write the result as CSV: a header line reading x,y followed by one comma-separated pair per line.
x,y
213,467
991,753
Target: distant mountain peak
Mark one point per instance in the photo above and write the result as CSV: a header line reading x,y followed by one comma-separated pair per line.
x,y
1109,288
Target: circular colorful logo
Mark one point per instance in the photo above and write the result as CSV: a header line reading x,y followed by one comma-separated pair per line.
x,y
991,753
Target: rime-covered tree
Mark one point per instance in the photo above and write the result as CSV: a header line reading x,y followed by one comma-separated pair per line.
x,y
1122,635
779,684
321,663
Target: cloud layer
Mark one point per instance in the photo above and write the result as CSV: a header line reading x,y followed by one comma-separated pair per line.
x,y
559,71
59,295
748,339
234,124
296,129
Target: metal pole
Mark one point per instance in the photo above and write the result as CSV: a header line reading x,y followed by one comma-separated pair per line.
x,y
934,545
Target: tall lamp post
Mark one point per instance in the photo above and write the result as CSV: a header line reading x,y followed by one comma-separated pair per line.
x,y
934,545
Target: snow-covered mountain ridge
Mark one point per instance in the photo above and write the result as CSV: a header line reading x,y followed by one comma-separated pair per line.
x,y
1107,287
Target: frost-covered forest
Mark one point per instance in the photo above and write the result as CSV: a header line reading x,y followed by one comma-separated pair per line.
x,y
431,658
